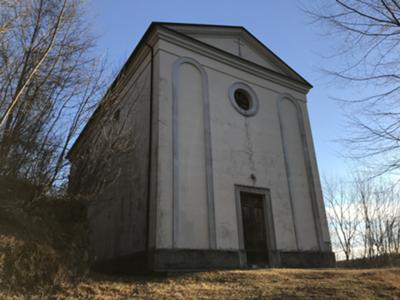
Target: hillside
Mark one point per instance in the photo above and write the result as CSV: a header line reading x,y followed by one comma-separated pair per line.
x,y
43,255
42,240
243,284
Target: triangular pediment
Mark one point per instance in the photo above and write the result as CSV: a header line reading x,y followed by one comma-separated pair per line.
x,y
239,42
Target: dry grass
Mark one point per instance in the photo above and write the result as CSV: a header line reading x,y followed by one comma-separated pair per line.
x,y
240,284
42,256
42,241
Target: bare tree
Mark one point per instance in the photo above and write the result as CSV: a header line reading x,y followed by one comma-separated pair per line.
x,y
364,216
367,33
114,135
343,214
36,65
49,81
379,201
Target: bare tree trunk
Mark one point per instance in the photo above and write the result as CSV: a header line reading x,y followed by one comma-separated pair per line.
x,y
49,80
35,68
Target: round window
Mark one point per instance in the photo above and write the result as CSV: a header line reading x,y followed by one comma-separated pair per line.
x,y
243,99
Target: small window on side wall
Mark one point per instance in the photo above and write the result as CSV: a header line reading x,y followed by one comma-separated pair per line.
x,y
116,115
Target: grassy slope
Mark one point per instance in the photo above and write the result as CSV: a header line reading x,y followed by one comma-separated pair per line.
x,y
41,256
241,284
42,242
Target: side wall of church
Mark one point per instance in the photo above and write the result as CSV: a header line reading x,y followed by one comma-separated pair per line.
x,y
110,166
258,151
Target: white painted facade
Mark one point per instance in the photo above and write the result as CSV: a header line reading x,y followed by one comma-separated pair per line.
x,y
203,150
239,147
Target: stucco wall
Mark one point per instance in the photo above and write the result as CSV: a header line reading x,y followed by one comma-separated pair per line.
x,y
228,40
110,168
298,180
230,44
240,147
192,183
317,183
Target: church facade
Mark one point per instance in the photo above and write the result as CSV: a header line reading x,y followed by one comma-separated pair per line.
x,y
200,156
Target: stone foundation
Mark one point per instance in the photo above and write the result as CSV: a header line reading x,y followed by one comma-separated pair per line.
x,y
307,259
189,259
164,260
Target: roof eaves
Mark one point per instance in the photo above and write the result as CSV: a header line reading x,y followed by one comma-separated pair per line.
x,y
301,80
277,57
142,41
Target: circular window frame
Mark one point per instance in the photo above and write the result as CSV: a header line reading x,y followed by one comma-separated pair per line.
x,y
252,99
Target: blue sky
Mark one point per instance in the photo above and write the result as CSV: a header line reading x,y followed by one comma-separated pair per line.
x,y
281,25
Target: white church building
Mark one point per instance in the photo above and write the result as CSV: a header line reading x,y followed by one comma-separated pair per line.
x,y
201,156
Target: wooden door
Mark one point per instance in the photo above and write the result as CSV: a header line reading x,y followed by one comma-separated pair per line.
x,y
255,239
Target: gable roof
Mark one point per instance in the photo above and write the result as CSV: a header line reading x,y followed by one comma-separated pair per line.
x,y
261,55
189,30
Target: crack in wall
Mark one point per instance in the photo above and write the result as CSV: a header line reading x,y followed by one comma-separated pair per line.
x,y
249,145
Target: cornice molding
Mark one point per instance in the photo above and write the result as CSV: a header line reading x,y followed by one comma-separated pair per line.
x,y
230,59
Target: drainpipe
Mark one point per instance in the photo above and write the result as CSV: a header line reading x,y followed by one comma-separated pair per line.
x,y
148,262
